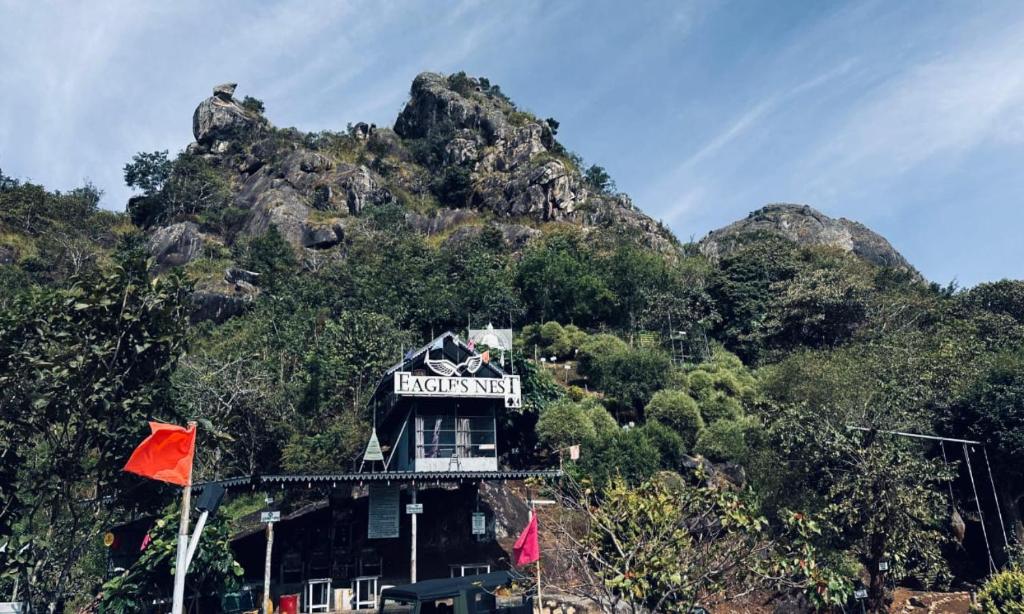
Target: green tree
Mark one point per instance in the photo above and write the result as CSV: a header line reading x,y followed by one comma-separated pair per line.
x,y
599,179
560,279
148,171
833,470
632,376
744,292
271,256
82,368
213,570
660,545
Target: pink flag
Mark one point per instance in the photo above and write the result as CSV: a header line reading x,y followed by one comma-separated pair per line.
x,y
526,549
471,345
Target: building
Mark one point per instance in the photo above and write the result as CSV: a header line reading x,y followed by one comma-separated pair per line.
x,y
429,499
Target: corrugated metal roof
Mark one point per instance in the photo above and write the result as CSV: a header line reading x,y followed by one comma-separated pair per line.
x,y
384,476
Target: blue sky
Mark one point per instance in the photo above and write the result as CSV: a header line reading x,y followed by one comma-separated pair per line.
x,y
906,116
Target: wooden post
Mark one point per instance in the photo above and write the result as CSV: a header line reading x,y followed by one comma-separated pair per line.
x,y
181,560
268,607
412,548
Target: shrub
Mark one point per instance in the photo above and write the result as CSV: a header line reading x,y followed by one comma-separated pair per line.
x,y
594,349
1002,594
677,410
729,440
553,339
566,422
720,406
253,105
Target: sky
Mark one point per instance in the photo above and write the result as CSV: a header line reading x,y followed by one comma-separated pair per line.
x,y
905,116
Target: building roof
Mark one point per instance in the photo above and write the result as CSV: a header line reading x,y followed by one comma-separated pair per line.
x,y
399,477
441,588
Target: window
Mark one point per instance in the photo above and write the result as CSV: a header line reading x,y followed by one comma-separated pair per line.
x,y
452,434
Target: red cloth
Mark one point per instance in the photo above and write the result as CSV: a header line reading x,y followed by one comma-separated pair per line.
x,y
165,455
527,549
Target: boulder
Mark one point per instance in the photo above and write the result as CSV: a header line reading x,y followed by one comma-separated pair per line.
x,y
175,245
217,306
433,104
221,117
234,275
441,221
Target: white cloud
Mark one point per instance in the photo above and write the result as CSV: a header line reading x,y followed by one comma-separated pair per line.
x,y
943,107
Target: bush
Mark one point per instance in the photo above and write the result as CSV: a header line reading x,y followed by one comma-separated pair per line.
x,y
720,406
553,339
1002,594
565,423
595,349
678,411
632,376
253,105
730,440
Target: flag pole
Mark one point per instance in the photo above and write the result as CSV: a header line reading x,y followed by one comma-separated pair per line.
x,y
181,564
540,598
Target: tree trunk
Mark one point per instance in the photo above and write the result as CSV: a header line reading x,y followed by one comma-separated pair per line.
x,y
876,582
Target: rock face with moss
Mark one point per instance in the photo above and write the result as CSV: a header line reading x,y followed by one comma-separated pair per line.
x,y
495,158
461,157
807,227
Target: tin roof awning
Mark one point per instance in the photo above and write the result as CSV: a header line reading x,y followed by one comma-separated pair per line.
x,y
400,477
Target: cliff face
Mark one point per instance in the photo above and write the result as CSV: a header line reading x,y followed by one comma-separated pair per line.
x,y
809,227
461,156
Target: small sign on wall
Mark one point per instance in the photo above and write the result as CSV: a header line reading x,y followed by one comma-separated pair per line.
x,y
383,512
479,523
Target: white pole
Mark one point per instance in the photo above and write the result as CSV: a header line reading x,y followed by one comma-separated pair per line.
x,y
181,560
194,542
267,607
540,596
412,553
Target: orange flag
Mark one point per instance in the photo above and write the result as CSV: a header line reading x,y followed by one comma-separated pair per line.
x,y
165,455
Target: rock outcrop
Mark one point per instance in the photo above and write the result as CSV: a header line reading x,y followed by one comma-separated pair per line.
x,y
175,245
458,142
514,166
220,118
805,226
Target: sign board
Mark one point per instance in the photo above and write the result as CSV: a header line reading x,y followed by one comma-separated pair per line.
x,y
883,566
860,593
383,512
479,523
413,508
266,517
507,387
494,338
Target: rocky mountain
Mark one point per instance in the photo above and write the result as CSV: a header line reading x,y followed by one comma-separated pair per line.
x,y
460,156
806,226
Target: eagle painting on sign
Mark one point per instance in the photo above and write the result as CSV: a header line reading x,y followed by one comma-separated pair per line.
x,y
441,406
